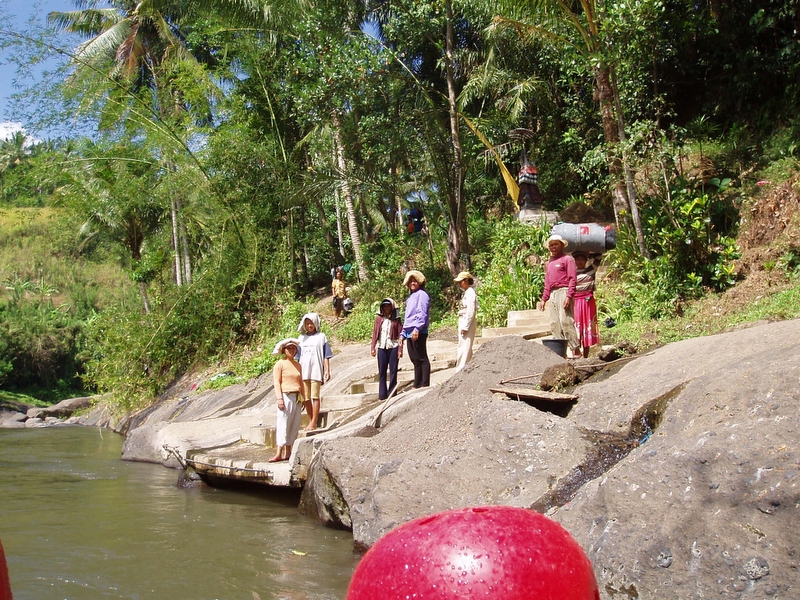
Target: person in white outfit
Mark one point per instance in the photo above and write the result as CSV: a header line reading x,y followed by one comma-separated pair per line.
x,y
315,361
467,319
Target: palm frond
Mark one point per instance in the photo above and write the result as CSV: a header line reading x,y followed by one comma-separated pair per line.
x,y
86,22
103,47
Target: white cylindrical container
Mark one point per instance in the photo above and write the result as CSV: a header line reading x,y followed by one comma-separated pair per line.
x,y
587,237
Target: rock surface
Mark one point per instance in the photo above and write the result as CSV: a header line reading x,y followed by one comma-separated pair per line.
x,y
65,408
677,471
706,506
213,418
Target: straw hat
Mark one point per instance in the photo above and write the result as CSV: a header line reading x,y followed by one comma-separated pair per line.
x,y
386,301
462,276
283,343
556,238
416,275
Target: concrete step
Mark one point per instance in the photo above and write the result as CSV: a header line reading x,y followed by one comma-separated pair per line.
x,y
528,333
369,385
265,435
402,380
528,313
347,401
528,318
532,323
262,435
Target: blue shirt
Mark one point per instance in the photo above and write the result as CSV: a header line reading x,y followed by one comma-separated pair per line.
x,y
418,306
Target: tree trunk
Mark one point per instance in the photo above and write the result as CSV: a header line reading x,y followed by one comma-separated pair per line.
x,y
145,299
634,205
136,258
339,224
457,238
187,261
352,224
175,243
396,206
290,244
619,196
323,221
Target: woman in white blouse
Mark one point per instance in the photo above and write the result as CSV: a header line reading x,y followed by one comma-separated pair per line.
x,y
387,346
467,319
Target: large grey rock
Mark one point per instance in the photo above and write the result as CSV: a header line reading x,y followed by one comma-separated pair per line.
x,y
456,445
12,419
218,417
204,420
65,408
706,506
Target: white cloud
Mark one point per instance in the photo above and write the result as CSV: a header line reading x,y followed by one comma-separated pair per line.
x,y
9,128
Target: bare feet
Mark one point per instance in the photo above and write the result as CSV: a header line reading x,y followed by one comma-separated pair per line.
x,y
276,458
310,427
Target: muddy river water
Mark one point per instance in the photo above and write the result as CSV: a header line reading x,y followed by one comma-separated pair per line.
x,y
77,522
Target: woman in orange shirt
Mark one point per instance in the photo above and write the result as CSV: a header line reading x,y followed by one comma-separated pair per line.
x,y
287,378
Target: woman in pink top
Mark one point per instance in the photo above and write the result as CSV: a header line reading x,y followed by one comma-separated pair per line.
x,y
560,279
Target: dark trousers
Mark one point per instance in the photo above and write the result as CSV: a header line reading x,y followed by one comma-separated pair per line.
x,y
418,353
387,361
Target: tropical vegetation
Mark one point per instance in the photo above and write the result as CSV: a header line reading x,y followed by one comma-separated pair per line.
x,y
224,155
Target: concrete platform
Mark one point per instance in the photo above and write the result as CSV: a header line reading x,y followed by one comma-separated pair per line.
x,y
242,462
527,333
340,402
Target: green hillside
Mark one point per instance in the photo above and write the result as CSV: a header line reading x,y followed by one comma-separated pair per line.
x,y
50,291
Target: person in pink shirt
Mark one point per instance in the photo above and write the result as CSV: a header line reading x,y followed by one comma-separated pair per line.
x,y
560,279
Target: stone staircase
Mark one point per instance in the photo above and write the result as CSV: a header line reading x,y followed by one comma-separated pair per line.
x,y
245,460
362,398
405,376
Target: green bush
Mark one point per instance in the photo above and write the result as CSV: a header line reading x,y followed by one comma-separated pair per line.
x,y
510,271
690,252
358,325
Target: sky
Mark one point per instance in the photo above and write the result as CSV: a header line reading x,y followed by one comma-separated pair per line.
x,y
20,11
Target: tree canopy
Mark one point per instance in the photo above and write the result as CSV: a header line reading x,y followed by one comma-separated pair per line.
x,y
242,148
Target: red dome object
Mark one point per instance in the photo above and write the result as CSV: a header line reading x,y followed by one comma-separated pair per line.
x,y
491,552
5,586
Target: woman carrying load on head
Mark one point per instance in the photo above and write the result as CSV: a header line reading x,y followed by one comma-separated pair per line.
x,y
467,319
386,346
585,308
287,379
415,327
315,355
559,289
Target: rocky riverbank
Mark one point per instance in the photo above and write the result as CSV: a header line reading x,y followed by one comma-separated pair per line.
x,y
677,471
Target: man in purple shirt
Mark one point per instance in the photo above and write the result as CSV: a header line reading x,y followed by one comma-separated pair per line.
x,y
560,279
415,327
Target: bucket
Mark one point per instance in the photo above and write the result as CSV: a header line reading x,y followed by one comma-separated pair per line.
x,y
588,237
556,345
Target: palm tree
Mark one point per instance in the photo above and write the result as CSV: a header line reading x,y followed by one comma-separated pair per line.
x,y
352,223
14,150
115,195
134,44
547,19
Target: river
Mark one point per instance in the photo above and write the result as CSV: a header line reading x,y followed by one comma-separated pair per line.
x,y
77,523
